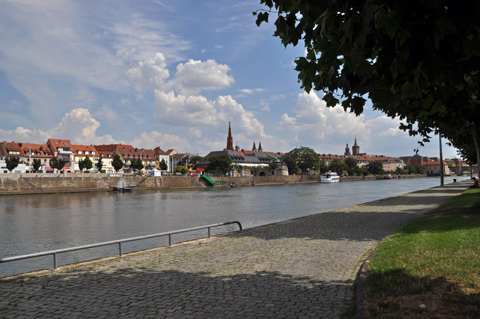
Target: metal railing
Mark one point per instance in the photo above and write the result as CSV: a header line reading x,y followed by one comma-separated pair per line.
x,y
112,242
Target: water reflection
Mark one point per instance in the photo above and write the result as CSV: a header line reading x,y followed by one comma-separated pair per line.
x,y
35,223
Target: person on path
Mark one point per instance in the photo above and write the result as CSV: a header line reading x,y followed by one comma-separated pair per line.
x,y
475,183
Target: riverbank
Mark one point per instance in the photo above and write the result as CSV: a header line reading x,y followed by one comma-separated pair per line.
x,y
304,267
430,266
23,184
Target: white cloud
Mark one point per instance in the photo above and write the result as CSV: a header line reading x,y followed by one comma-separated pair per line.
x,y
195,76
251,91
314,120
78,126
150,73
165,141
266,106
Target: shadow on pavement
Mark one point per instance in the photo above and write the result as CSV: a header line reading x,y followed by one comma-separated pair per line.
x,y
146,292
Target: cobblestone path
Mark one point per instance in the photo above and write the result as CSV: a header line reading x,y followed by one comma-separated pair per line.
x,y
301,268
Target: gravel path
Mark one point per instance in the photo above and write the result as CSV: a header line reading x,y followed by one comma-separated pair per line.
x,y
302,268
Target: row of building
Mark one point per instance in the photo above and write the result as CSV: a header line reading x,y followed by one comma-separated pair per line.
x,y
256,158
72,154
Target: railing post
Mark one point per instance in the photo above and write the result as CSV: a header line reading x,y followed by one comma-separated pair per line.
x,y
208,232
120,249
55,261
169,240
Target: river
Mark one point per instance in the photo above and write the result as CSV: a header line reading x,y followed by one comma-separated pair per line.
x,y
36,223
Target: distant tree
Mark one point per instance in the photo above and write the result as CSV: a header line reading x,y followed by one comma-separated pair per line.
x,y
36,164
53,162
308,160
291,163
352,167
222,163
140,165
181,169
57,163
117,162
351,162
163,165
194,160
12,162
337,166
401,171
81,165
99,164
420,168
61,164
87,163
137,164
375,167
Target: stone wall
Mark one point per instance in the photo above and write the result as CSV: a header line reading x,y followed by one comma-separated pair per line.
x,y
50,183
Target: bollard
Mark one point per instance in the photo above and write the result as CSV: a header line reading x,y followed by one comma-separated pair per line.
x,y
454,180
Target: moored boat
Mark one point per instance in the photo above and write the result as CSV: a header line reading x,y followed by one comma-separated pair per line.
x,y
330,177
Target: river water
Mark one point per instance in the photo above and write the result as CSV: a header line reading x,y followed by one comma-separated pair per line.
x,y
36,223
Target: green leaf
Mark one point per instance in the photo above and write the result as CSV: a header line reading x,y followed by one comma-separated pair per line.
x,y
428,102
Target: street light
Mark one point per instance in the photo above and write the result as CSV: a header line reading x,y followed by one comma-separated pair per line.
x,y
30,158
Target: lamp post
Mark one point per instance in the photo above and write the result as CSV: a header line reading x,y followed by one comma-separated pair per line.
x,y
441,160
30,158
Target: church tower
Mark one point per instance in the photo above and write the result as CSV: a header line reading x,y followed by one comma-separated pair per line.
x,y
254,148
347,150
356,148
260,149
229,138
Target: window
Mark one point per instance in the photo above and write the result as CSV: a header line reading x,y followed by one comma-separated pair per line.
x,y
79,152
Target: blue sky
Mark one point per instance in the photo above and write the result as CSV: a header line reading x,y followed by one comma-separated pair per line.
x,y
168,74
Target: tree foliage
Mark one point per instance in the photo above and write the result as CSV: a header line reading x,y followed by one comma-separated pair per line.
x,y
194,160
57,163
375,167
117,162
81,165
308,160
181,169
337,166
99,164
304,159
137,164
221,163
12,162
36,164
419,64
87,162
163,165
292,165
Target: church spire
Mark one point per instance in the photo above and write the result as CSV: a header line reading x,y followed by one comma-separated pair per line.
x,y
260,147
254,148
229,138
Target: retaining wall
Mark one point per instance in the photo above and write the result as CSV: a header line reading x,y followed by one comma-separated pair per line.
x,y
48,183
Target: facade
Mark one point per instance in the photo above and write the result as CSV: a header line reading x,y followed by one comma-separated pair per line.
x,y
83,151
27,153
433,168
62,150
162,155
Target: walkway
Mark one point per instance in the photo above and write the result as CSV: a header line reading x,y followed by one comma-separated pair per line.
x,y
301,268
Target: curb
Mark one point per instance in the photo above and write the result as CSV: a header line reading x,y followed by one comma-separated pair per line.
x,y
362,285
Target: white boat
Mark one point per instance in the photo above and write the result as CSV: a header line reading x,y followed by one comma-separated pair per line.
x,y
330,177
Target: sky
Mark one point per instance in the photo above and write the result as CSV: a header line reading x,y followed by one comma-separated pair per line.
x,y
169,74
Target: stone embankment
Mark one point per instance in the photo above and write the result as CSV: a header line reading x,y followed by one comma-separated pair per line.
x,y
300,268
57,183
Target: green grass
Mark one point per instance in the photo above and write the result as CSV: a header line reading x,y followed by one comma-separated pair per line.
x,y
433,261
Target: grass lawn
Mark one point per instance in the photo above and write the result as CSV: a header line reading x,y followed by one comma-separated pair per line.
x,y
431,267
